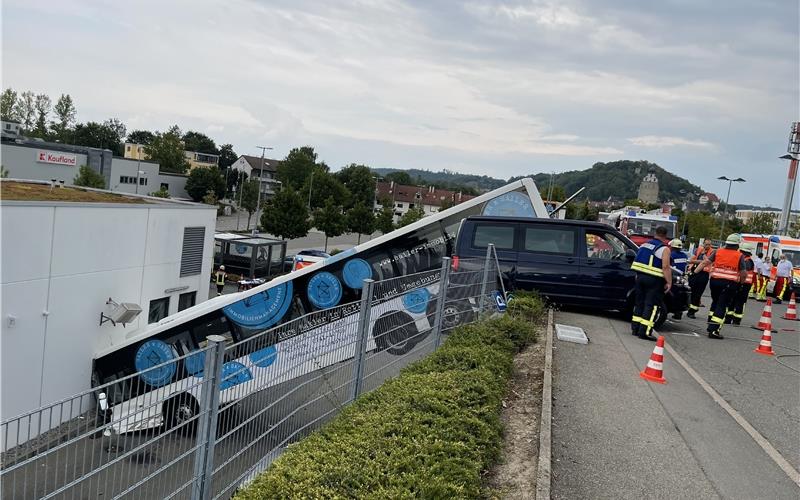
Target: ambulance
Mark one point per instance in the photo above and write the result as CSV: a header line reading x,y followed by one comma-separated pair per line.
x,y
640,226
772,246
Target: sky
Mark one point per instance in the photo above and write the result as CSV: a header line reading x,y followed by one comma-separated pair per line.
x,y
502,88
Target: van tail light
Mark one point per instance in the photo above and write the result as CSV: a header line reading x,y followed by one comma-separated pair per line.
x,y
454,262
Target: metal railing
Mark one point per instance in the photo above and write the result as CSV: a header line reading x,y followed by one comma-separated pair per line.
x,y
203,424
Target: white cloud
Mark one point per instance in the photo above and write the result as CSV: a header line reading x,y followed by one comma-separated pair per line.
x,y
660,141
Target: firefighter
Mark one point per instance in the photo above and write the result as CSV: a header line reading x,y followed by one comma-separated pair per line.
x,y
763,276
735,312
783,278
699,278
653,280
757,263
726,275
219,279
679,260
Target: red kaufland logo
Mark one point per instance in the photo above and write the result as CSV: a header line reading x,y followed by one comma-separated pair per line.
x,y
57,158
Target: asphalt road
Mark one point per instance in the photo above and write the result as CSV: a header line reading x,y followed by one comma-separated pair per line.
x,y
618,436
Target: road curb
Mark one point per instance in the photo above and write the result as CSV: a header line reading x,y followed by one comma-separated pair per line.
x,y
544,470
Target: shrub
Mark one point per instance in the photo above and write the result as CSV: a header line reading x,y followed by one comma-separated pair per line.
x,y
429,433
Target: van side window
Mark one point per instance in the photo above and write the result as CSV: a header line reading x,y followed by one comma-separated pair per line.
x,y
552,240
602,245
501,236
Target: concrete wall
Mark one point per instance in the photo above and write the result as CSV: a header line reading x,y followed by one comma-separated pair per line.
x,y
60,264
21,164
128,168
176,184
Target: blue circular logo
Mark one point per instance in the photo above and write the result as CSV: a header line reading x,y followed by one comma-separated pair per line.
x,y
416,301
195,364
264,357
153,353
355,272
240,249
263,309
324,290
513,204
234,373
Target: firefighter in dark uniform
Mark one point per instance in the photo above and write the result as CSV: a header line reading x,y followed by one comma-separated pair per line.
x,y
679,261
726,275
653,280
736,310
699,278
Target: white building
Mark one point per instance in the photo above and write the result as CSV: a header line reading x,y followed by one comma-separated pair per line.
x,y
61,263
404,197
252,166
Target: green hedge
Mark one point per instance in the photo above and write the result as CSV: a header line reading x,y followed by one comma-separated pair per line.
x,y
426,434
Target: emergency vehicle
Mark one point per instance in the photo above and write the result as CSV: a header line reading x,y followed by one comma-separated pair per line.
x,y
772,246
640,226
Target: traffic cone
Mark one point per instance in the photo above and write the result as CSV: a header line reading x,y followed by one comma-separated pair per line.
x,y
791,311
765,346
654,371
765,322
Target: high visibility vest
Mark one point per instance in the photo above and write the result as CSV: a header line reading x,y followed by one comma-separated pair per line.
x,y
751,273
702,253
726,264
678,259
646,261
220,278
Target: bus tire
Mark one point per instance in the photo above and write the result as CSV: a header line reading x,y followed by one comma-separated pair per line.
x,y
180,412
396,333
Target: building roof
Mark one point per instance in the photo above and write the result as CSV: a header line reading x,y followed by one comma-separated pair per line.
x,y
427,195
20,190
711,197
255,163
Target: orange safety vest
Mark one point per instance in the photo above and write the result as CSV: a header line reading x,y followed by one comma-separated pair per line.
x,y
697,255
751,274
726,264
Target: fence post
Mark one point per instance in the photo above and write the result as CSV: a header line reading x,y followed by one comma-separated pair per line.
x,y
486,261
439,318
499,274
209,411
363,333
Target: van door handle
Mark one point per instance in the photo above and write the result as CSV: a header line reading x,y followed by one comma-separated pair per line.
x,y
570,260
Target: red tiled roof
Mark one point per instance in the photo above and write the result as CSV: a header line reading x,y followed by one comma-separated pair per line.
x,y
427,195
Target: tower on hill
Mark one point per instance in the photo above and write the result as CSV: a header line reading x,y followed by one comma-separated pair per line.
x,y
648,189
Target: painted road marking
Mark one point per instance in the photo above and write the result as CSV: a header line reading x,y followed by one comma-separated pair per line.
x,y
774,454
685,334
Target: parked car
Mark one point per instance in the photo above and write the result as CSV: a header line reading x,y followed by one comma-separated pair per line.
x,y
307,257
571,262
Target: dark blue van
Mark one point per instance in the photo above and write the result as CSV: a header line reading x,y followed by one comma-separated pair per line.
x,y
571,262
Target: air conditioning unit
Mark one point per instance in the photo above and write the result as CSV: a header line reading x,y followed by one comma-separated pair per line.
x,y
122,313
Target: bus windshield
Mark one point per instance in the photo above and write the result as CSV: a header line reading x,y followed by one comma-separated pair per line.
x,y
647,227
792,256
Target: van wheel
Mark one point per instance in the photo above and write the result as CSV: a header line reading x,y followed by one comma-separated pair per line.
x,y
396,333
181,411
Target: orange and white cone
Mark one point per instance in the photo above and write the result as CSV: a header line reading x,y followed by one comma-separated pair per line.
x,y
654,371
765,346
791,311
765,322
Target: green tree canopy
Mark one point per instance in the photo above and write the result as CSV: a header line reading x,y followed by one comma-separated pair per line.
x,y
97,135
161,193
26,110
141,137
249,198
166,148
203,180
330,220
384,220
557,193
199,143
324,185
399,177
413,215
227,156
360,182
296,168
360,220
65,118
43,106
760,223
89,178
8,105
285,215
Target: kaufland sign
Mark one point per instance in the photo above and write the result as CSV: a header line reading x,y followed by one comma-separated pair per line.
x,y
56,158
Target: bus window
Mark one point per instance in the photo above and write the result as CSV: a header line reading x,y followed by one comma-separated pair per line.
x,y
775,256
759,248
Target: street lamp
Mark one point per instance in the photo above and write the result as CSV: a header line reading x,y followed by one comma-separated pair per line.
x,y
728,197
260,177
139,173
310,187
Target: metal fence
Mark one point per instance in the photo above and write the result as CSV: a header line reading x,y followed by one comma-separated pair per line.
x,y
203,424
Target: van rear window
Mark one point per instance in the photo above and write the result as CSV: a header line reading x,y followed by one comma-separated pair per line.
x,y
501,236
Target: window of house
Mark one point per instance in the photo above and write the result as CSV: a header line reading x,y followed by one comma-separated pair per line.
x,y
186,300
127,148
159,309
164,186
399,205
142,181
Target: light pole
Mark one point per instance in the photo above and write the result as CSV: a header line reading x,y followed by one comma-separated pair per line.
x,y
241,190
260,176
728,197
310,187
138,176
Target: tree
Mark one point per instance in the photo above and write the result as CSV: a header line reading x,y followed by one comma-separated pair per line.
x,y
399,177
161,193
65,118
322,186
8,105
249,199
227,156
3,172
447,203
760,223
117,127
361,220
141,137
233,179
701,225
26,110
43,106
89,178
166,148
358,179
297,167
97,135
384,220
285,215
330,220
557,193
199,143
203,180
413,215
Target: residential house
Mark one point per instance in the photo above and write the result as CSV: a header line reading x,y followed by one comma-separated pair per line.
x,y
135,151
252,166
403,198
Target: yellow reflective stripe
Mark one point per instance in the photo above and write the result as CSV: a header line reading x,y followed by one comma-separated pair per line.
x,y
637,319
644,268
717,320
693,307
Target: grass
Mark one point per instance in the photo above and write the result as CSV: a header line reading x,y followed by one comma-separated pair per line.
x,y
23,191
429,433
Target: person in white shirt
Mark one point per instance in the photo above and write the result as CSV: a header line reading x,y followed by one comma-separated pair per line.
x,y
783,278
757,263
763,274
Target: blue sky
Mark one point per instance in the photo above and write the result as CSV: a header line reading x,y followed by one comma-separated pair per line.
x,y
703,88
